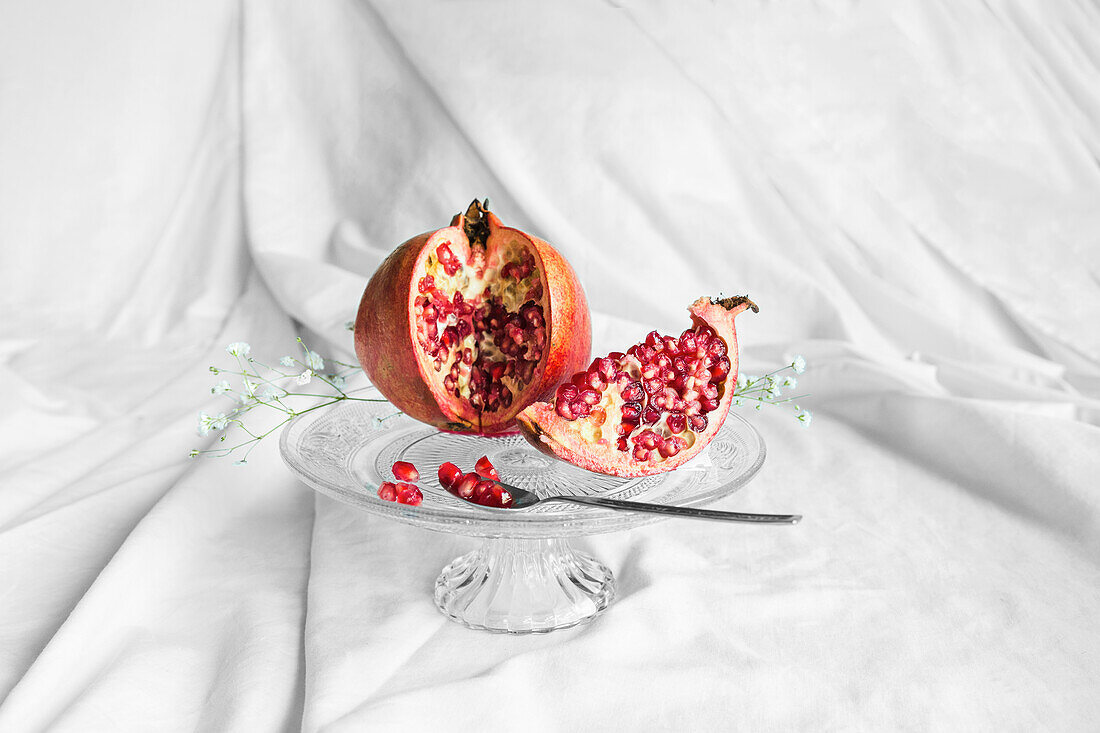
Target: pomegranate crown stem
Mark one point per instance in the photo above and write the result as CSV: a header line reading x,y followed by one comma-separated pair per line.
x,y
735,301
475,224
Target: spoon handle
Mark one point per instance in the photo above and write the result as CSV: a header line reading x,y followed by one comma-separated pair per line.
x,y
679,511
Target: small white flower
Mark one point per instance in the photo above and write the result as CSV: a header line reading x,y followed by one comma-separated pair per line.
x,y
805,417
239,348
799,364
287,361
742,380
250,387
314,361
790,382
269,394
337,381
304,377
221,388
208,423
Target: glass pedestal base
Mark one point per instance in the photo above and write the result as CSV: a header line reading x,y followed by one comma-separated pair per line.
x,y
524,586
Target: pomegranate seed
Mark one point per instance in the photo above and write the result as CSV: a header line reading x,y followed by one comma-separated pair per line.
x,y
449,473
654,341
426,283
507,270
626,427
532,314
387,491
616,356
605,367
593,380
633,392
663,361
716,347
409,494
483,491
565,409
449,337
653,386
485,469
720,369
464,488
651,415
498,497
648,439
590,397
698,423
640,453
597,417
672,346
687,342
443,252
631,411
709,391
497,371
567,392
672,446
621,444
581,408
707,404
676,422
405,471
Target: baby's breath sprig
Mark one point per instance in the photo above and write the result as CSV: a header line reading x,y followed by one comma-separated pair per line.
x,y
768,390
267,386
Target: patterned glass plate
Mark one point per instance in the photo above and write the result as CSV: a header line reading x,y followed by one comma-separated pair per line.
x,y
341,452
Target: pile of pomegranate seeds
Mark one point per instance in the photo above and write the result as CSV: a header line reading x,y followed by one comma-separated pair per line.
x,y
479,487
663,387
402,492
488,347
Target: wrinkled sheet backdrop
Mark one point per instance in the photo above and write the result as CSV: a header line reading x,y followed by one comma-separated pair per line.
x,y
911,193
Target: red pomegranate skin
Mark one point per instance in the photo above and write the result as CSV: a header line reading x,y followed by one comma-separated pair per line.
x,y
385,341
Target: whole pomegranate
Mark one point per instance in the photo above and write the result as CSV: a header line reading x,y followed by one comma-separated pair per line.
x,y
650,409
463,327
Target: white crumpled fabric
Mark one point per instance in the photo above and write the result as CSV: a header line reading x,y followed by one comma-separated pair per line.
x,y
910,191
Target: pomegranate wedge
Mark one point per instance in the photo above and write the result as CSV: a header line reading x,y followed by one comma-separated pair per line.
x,y
650,409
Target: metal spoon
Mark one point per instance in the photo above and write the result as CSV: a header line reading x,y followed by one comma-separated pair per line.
x,y
521,499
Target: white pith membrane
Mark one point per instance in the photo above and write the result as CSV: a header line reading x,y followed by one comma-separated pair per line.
x,y
479,319
652,402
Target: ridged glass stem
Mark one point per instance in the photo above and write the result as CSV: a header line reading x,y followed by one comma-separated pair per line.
x,y
524,586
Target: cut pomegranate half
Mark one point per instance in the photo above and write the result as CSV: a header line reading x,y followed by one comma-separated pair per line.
x,y
463,327
650,409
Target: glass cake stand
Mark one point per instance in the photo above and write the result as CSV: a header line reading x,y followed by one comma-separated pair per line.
x,y
525,577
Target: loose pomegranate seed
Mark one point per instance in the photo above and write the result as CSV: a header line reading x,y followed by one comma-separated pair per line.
x,y
387,491
464,487
482,491
405,471
501,497
449,473
485,469
409,494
